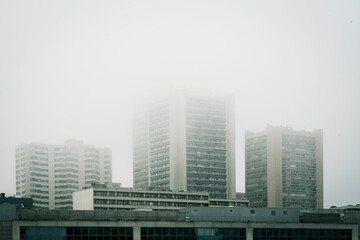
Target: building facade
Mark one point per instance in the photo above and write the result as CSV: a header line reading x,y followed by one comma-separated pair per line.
x,y
185,141
284,168
116,199
190,223
50,173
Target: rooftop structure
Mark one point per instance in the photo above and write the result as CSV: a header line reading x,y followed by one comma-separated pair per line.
x,y
17,201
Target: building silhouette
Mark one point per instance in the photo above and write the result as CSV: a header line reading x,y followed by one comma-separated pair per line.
x,y
185,141
50,173
284,168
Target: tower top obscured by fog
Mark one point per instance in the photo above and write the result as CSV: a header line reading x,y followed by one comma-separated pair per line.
x,y
185,141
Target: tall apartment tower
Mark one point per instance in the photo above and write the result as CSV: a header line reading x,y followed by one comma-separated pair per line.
x,y
50,173
185,141
284,168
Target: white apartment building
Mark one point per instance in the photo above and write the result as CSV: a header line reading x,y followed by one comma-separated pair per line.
x,y
185,141
102,197
49,174
284,168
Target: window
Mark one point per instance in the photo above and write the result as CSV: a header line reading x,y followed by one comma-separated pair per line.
x,y
283,233
193,233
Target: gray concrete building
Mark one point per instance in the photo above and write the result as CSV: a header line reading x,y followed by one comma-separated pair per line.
x,y
101,197
284,168
185,141
50,173
201,223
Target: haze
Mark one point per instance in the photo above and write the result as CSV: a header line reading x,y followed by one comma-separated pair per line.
x,y
73,69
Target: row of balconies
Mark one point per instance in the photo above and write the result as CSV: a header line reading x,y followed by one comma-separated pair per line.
x,y
103,203
199,171
205,159
207,118
66,160
208,154
64,197
36,185
67,186
194,140
33,174
64,192
64,181
202,133
207,146
129,195
192,164
205,126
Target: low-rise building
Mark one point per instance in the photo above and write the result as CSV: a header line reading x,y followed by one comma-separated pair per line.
x,y
201,223
101,197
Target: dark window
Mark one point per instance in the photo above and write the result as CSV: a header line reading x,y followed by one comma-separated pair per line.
x,y
71,233
193,233
315,234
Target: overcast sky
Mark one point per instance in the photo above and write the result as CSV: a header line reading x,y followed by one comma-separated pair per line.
x,y
73,69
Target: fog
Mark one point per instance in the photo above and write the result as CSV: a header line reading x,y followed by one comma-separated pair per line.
x,y
73,69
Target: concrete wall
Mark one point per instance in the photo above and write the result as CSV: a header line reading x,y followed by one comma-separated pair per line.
x,y
319,169
274,167
7,211
231,143
177,136
83,200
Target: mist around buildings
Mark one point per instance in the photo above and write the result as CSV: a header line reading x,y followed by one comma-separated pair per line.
x,y
79,71
182,120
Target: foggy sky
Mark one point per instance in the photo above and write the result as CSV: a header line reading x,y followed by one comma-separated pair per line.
x,y
73,69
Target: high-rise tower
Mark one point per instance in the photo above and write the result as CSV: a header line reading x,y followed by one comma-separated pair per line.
x,y
50,173
185,141
284,168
